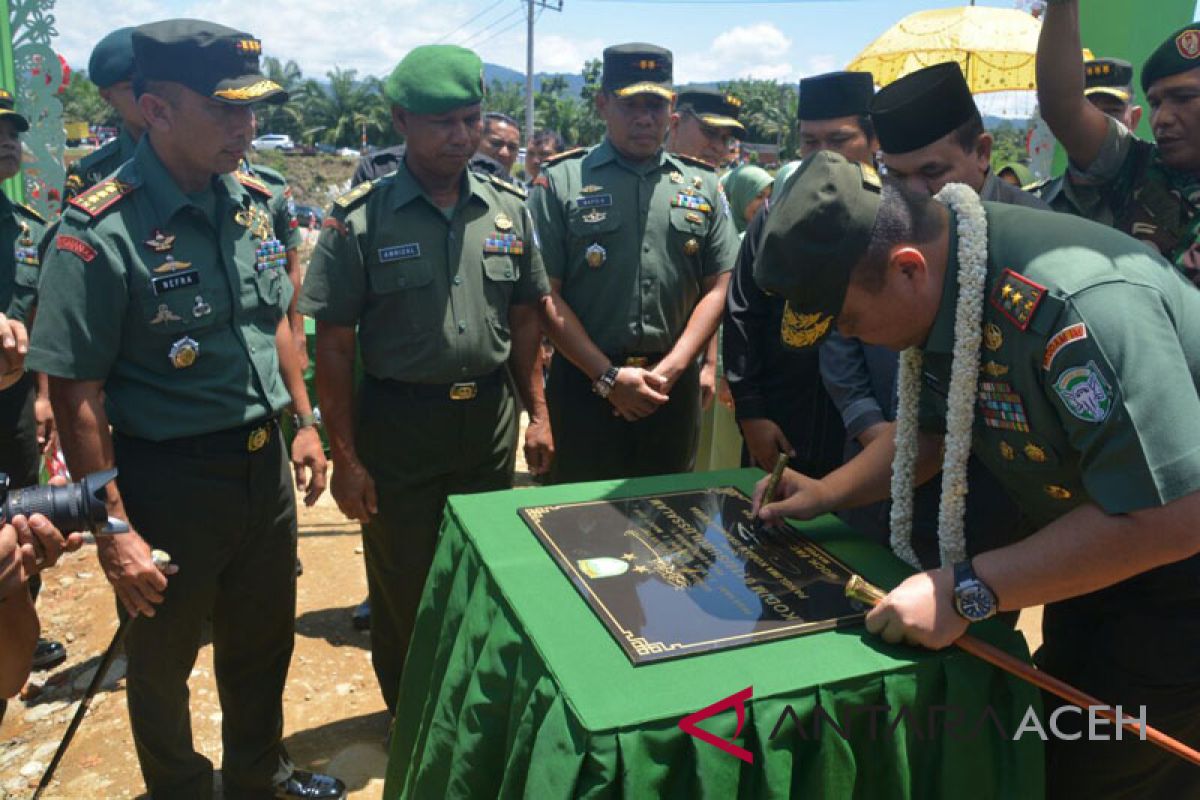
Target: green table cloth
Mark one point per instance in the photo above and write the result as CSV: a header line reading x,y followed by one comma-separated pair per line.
x,y
513,688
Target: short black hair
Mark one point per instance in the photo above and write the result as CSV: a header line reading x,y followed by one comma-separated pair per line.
x,y
967,134
492,117
905,216
554,137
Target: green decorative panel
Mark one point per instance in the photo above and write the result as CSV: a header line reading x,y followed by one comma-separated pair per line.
x,y
38,77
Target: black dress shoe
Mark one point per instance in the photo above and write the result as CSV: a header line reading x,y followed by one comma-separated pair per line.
x,y
48,654
361,619
311,786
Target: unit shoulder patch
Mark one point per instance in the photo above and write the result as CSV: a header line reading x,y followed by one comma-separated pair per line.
x,y
72,244
102,196
1017,298
354,195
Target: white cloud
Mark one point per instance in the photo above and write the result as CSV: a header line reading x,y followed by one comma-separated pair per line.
x,y
317,34
555,53
749,51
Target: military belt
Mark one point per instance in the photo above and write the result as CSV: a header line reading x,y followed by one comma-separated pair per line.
x,y
641,360
459,391
253,437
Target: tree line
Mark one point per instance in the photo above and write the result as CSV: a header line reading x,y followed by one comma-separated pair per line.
x,y
344,108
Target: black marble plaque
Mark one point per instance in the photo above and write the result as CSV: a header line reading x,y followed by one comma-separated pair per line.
x,y
677,574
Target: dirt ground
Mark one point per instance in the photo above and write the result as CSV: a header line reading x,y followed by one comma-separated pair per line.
x,y
334,717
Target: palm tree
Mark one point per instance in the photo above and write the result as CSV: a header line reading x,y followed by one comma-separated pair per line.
x,y
339,113
283,118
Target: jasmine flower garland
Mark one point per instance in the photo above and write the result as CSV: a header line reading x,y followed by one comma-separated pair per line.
x,y
964,380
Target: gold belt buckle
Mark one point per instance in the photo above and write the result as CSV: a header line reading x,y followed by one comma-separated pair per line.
x,y
258,438
641,362
464,391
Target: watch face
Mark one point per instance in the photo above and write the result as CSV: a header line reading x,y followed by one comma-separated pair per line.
x,y
975,602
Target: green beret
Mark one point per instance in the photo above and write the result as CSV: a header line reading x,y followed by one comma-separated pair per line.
x,y
1179,53
818,230
112,59
210,59
436,78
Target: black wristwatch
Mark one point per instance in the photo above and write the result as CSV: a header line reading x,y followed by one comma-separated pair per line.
x,y
605,383
974,600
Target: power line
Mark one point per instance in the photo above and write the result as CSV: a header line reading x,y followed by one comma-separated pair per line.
x,y
468,22
509,27
474,41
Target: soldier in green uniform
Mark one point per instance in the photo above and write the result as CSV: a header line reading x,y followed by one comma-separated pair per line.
x,y
1086,416
111,69
703,124
26,418
423,269
283,221
1150,191
1107,85
638,245
162,313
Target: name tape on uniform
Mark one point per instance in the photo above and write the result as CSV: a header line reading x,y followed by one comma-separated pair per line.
x,y
399,252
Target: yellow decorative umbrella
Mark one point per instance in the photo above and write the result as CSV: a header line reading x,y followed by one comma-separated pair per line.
x,y
996,47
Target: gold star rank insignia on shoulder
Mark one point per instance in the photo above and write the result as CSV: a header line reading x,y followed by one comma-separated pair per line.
x,y
1017,297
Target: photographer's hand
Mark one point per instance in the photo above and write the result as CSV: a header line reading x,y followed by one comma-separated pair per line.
x,y
18,621
12,571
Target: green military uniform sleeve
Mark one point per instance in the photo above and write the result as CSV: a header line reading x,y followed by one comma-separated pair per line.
x,y
335,285
83,299
28,257
1126,397
721,248
533,283
546,211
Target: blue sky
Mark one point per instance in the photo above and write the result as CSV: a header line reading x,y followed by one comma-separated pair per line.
x,y
782,40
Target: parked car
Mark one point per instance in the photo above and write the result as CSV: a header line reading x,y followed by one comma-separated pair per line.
x,y
309,217
326,148
348,152
273,141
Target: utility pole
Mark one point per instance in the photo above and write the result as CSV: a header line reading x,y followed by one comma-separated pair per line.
x,y
555,5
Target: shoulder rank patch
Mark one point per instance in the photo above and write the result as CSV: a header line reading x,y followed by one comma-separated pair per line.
x,y
251,182
508,187
1073,333
101,196
76,246
1017,297
354,195
575,152
31,212
694,162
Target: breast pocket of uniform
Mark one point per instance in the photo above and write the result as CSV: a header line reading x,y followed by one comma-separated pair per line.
x,y
593,235
404,288
181,300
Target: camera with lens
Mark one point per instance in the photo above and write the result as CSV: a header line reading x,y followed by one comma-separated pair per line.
x,y
74,507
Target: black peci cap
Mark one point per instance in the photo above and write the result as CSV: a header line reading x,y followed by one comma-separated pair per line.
x,y
835,94
921,108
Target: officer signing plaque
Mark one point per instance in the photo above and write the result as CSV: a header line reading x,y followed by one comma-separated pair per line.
x,y
678,574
